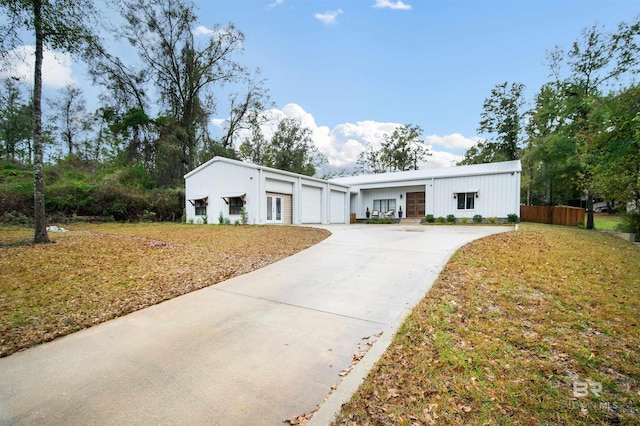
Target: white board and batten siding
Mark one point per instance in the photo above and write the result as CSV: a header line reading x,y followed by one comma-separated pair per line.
x,y
214,181
306,199
316,201
497,186
494,196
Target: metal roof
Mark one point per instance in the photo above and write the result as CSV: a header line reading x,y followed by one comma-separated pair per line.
x,y
447,172
237,163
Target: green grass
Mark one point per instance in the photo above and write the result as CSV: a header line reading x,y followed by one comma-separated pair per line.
x,y
605,221
514,324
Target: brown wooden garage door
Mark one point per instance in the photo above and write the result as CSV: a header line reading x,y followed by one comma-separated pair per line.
x,y
415,204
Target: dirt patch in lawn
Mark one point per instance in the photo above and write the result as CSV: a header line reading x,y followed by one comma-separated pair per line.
x,y
539,326
94,273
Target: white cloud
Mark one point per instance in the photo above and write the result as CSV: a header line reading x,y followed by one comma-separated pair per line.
x,y
388,4
329,17
452,141
439,159
56,67
201,30
342,144
275,3
219,122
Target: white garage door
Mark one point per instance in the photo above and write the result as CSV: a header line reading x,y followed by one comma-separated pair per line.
x,y
337,207
311,204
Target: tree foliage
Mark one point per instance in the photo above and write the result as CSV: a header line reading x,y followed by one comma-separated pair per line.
x,y
550,159
56,24
581,138
596,62
16,123
74,121
291,148
402,150
613,136
503,119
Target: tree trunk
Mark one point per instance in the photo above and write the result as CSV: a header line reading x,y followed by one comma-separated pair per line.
x,y
550,218
529,186
40,220
590,224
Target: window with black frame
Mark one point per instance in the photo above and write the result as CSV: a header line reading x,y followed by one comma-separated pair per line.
x,y
201,207
384,205
235,205
466,200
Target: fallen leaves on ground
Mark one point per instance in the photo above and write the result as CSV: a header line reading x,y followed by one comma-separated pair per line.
x,y
514,322
362,349
94,273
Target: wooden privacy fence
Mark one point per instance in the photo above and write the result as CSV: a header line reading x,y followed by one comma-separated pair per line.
x,y
553,215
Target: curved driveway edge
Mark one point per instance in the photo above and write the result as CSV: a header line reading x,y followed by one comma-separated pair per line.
x,y
253,350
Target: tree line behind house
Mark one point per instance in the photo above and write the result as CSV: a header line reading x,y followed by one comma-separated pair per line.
x,y
126,158
579,140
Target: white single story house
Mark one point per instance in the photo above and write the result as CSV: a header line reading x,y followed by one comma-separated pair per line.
x,y
223,186
489,190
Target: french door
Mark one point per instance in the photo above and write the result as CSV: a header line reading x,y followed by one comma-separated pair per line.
x,y
274,209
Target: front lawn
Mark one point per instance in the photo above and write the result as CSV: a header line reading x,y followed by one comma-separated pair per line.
x,y
97,272
532,327
606,221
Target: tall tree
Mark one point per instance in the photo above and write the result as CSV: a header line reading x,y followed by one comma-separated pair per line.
x,y
370,160
246,111
291,148
15,123
596,61
613,136
401,150
71,114
550,158
183,70
56,24
503,119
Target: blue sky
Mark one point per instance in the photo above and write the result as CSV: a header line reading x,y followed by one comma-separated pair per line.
x,y
424,62
355,69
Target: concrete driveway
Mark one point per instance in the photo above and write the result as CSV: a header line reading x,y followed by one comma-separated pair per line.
x,y
253,350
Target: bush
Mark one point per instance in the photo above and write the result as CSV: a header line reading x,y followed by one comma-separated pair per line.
x,y
440,219
75,187
220,219
477,218
630,222
15,218
16,189
451,218
464,220
113,199
167,203
148,216
492,220
512,218
429,218
244,217
380,220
